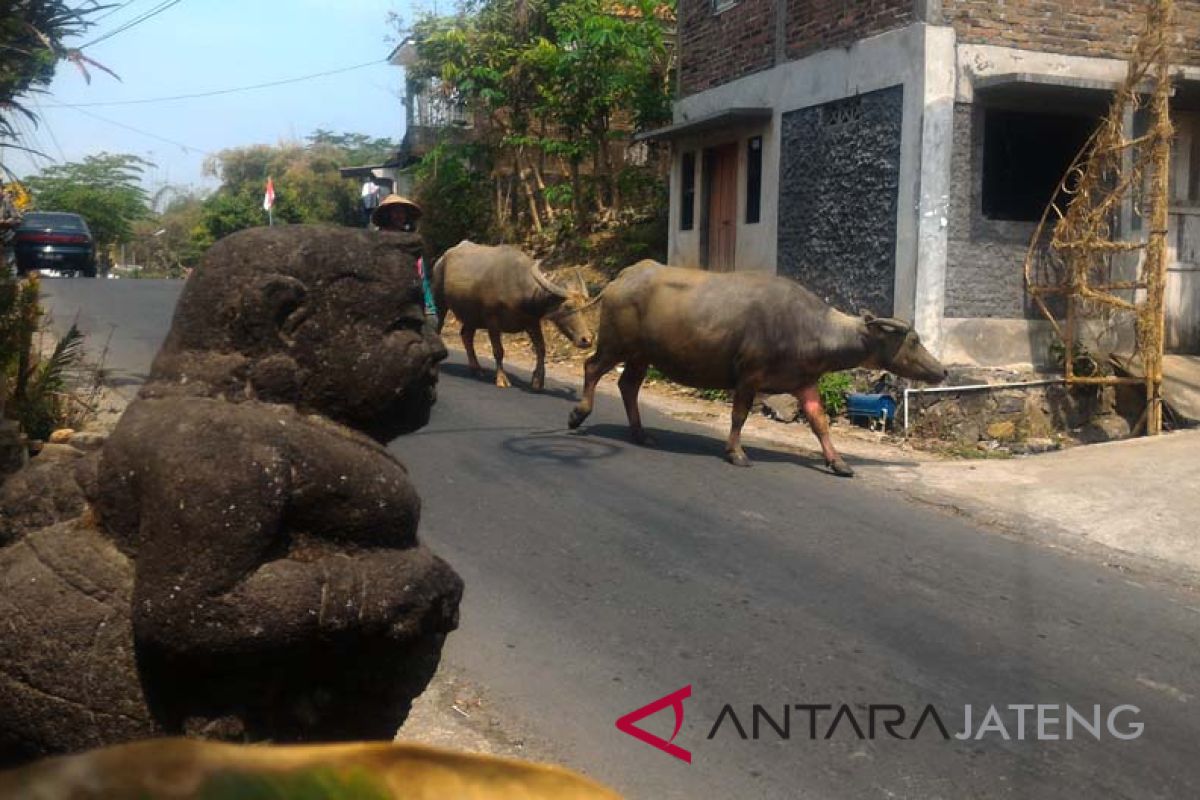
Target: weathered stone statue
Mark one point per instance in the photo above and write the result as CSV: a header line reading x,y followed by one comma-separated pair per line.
x,y
248,566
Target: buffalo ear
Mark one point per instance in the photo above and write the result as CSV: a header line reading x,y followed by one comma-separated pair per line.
x,y
866,315
889,325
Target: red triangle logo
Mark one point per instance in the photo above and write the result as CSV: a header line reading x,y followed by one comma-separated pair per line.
x,y
675,700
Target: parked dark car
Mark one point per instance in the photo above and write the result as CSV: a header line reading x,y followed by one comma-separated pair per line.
x,y
55,240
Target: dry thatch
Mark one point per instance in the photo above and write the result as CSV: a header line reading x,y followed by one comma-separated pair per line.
x,y
1081,265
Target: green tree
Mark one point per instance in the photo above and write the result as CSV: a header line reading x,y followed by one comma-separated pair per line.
x,y
485,59
554,79
31,45
608,60
356,149
454,198
308,186
165,244
105,189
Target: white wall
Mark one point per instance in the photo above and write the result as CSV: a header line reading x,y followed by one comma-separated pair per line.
x,y
919,57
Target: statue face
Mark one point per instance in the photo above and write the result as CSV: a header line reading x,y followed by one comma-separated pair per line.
x,y
370,356
328,319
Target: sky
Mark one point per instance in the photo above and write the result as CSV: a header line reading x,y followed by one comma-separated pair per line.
x,y
207,45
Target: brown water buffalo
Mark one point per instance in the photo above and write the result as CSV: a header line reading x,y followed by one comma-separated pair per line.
x,y
740,331
503,290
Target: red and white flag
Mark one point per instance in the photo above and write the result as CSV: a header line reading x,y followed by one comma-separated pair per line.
x,y
269,197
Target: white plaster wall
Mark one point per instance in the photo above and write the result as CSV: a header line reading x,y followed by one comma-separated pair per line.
x,y
755,247
919,57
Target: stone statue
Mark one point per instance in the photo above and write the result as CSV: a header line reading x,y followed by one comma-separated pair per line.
x,y
248,564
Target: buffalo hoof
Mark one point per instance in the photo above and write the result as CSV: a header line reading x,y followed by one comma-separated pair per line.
x,y
502,381
537,385
738,459
576,419
644,439
840,467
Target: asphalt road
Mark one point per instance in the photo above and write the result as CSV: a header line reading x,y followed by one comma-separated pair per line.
x,y
125,321
601,576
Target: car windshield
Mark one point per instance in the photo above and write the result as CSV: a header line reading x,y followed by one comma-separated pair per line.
x,y
58,221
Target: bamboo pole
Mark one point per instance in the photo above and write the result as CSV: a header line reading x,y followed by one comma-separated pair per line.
x,y
1154,318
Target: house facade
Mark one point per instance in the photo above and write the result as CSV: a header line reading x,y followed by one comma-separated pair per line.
x,y
896,155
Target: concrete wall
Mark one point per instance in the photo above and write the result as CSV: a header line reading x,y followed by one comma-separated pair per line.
x,y
988,319
918,58
957,275
985,258
839,186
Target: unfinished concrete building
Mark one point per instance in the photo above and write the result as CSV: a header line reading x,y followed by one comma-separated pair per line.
x,y
896,155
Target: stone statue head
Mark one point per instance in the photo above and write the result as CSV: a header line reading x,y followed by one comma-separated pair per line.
x,y
334,325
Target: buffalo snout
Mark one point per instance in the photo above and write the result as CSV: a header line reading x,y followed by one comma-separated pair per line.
x,y
571,324
917,363
912,360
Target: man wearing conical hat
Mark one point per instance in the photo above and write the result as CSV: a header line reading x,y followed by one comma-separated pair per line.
x,y
398,213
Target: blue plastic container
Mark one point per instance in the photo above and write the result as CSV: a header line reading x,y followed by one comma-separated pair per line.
x,y
871,408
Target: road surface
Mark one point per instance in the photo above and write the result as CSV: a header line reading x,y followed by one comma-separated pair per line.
x,y
601,576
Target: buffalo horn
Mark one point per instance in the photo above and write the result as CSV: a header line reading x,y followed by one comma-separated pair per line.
x,y
889,324
546,283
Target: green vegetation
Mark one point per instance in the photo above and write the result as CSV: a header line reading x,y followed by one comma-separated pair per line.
x,y
454,199
42,405
34,392
32,34
553,84
833,388
1084,363
308,186
166,244
105,189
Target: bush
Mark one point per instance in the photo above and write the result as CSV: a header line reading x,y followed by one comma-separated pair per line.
x,y
35,391
43,406
455,199
833,388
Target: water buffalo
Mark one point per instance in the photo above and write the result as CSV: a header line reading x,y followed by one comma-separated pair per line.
x,y
741,331
503,290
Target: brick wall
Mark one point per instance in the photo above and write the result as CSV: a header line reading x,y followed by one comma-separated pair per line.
x,y
718,48
1102,28
815,25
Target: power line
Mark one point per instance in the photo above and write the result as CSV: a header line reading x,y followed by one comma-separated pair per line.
x,y
49,128
185,147
217,92
158,9
34,149
114,10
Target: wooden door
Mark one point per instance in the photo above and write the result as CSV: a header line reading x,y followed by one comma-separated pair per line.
x,y
720,243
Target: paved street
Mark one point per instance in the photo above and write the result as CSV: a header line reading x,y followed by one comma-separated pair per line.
x,y
601,576
136,314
